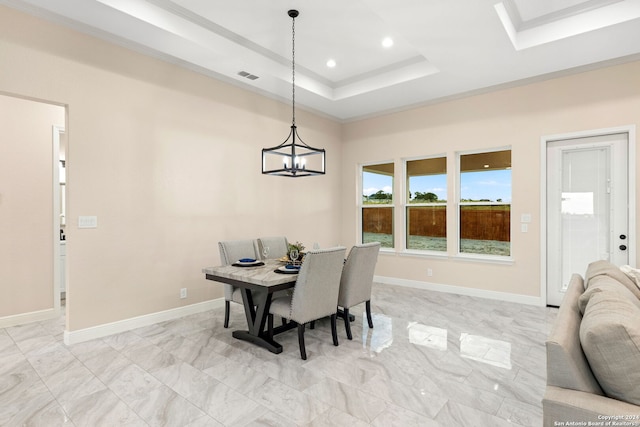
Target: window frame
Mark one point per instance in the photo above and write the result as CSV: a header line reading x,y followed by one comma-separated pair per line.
x,y
405,205
458,207
360,203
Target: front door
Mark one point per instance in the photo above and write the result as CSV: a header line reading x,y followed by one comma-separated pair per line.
x,y
587,207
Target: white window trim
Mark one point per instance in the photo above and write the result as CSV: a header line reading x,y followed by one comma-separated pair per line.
x,y
360,205
404,200
458,204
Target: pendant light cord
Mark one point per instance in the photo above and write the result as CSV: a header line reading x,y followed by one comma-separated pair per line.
x,y
293,69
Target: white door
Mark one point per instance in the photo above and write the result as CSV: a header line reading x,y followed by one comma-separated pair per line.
x,y
587,207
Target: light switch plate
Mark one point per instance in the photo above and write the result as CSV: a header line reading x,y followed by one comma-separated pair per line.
x,y
87,222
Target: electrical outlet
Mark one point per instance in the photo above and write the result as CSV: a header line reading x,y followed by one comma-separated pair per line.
x,y
429,272
183,293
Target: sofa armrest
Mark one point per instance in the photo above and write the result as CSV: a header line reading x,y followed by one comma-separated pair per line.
x,y
561,405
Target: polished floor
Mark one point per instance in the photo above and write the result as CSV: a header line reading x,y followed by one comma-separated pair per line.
x,y
432,359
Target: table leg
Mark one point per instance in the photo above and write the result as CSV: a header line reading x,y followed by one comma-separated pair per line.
x,y
256,308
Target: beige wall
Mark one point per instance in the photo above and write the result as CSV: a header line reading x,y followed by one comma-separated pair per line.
x,y
516,117
26,205
169,162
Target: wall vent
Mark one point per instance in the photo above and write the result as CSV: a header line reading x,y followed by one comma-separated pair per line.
x,y
247,75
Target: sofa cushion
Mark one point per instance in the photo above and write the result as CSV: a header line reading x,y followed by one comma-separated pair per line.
x,y
605,268
610,338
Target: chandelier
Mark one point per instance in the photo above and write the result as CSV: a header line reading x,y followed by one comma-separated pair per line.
x,y
293,158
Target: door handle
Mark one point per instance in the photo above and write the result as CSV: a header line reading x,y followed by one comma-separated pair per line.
x,y
622,237
623,247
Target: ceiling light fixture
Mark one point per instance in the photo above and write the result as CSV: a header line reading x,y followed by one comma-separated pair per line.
x,y
387,42
331,63
290,158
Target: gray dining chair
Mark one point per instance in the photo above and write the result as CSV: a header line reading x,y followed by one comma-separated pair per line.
x,y
356,281
315,294
278,246
230,252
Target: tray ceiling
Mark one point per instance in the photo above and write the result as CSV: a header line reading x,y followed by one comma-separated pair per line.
x,y
441,49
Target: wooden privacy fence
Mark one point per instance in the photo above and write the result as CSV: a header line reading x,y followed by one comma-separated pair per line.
x,y
478,223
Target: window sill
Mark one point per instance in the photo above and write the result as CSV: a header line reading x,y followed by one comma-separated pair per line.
x,y
424,254
484,258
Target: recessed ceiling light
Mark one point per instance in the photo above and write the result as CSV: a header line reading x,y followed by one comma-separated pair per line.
x,y
331,63
387,42
486,166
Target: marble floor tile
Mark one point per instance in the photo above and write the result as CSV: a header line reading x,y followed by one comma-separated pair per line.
x,y
413,398
164,407
227,406
454,414
334,417
297,406
348,399
102,408
432,359
396,416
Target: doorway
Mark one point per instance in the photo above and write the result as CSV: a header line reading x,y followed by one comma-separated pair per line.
x,y
588,206
29,224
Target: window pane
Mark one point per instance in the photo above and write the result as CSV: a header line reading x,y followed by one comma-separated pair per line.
x,y
485,203
485,229
377,191
486,177
427,180
377,226
427,185
377,184
427,228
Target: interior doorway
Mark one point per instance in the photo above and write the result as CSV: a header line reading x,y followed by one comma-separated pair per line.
x,y
588,205
29,223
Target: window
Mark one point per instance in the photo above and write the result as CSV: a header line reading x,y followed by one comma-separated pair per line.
x,y
377,204
485,203
426,207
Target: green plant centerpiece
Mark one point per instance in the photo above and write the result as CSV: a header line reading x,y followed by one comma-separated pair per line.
x,y
299,246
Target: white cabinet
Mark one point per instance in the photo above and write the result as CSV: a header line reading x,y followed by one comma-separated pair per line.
x,y
63,264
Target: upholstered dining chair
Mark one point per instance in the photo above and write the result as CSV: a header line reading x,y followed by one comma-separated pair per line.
x,y
315,294
230,252
356,281
278,246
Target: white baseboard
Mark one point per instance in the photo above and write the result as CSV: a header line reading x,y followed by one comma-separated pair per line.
x,y
34,316
75,337
120,326
461,290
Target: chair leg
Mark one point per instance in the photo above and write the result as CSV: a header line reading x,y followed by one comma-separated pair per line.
x,y
303,350
334,329
368,306
347,324
227,307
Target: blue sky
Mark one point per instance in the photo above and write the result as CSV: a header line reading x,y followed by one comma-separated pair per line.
x,y
492,185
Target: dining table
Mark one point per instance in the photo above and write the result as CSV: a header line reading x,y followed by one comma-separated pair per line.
x,y
258,283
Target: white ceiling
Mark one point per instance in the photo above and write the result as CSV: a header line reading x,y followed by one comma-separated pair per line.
x,y
442,48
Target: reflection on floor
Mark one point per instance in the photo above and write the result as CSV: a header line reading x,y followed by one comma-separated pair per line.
x,y
432,359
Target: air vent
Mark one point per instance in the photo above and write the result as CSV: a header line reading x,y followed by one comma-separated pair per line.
x,y
247,75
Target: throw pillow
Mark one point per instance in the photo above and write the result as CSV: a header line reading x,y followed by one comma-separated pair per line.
x,y
605,268
610,339
606,284
633,273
